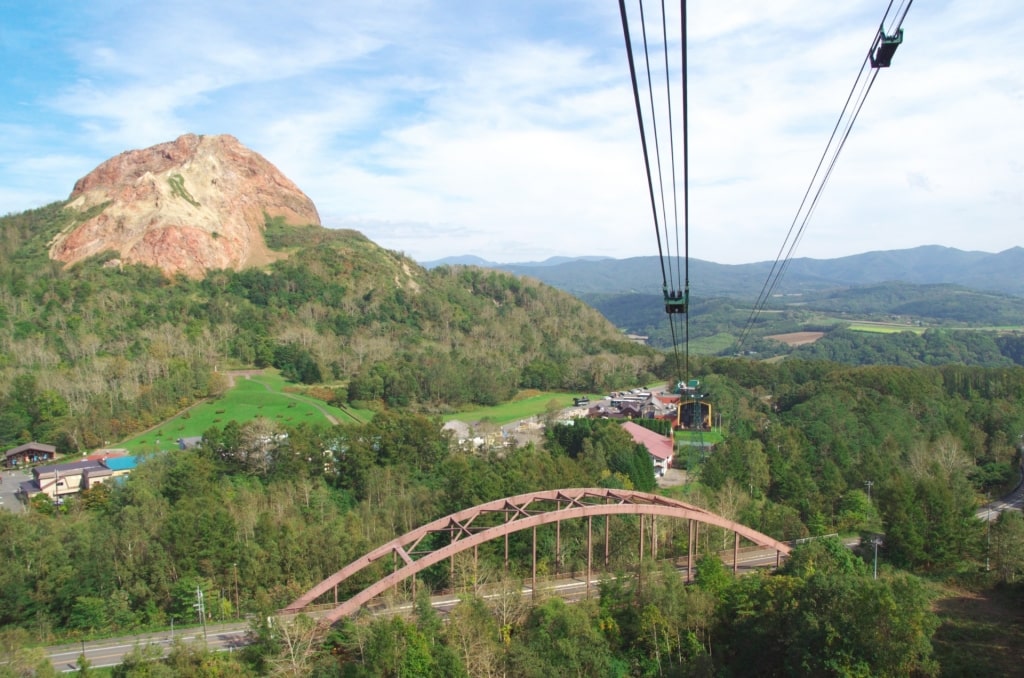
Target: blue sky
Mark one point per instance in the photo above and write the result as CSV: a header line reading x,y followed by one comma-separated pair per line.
x,y
506,129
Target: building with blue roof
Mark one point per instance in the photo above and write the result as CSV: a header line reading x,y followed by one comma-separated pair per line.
x,y
60,480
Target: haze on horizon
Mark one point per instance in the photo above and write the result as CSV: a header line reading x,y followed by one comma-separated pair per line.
x,y
506,131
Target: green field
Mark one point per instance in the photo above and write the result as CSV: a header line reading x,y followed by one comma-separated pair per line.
x,y
255,396
885,328
703,437
263,395
527,405
712,345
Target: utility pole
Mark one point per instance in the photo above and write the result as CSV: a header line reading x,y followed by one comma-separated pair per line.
x,y
869,483
201,609
875,541
238,612
988,536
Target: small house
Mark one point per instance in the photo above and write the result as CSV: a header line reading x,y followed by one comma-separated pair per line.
x,y
29,453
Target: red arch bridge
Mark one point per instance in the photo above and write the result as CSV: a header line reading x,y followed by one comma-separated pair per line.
x,y
467,529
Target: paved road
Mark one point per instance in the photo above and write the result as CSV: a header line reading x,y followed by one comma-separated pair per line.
x,y
1013,501
103,653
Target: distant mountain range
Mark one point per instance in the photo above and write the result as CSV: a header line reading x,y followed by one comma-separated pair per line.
x,y
470,260
925,265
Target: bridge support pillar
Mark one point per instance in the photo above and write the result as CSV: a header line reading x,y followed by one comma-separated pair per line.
x,y
642,539
590,549
607,539
558,544
736,553
640,566
654,538
533,585
689,554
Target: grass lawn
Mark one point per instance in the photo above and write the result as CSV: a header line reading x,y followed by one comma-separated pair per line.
x,y
526,404
257,396
531,403
705,437
982,632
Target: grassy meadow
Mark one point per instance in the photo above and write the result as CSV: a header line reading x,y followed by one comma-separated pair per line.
x,y
265,395
252,396
525,405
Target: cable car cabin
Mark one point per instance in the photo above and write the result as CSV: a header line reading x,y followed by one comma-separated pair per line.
x,y
694,415
687,386
676,301
886,47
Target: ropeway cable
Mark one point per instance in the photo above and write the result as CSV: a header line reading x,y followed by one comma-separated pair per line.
x,y
797,228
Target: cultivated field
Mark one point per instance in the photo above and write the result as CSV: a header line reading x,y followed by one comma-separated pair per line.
x,y
797,338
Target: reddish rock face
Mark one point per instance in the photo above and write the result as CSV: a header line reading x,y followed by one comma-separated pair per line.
x,y
187,206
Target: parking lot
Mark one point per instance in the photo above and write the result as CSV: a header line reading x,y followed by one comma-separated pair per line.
x,y
9,482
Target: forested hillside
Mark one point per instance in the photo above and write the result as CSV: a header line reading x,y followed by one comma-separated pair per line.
x,y
93,353
924,287
924,265
920,325
804,439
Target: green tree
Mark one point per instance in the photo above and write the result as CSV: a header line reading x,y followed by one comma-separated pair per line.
x,y
1006,545
823,620
89,613
561,639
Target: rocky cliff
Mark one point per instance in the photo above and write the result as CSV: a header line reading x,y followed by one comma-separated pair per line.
x,y
187,206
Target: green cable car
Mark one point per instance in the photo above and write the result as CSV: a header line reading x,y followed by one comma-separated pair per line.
x,y
885,47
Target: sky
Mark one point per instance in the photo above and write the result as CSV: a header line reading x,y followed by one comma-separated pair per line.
x,y
507,129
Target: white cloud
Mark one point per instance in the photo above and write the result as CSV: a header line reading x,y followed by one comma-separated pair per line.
x,y
508,130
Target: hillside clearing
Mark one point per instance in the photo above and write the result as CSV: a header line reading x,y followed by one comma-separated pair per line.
x,y
797,338
253,395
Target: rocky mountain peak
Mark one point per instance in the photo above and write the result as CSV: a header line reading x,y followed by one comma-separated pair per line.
x,y
186,206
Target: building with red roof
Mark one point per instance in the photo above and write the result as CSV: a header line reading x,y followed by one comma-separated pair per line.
x,y
661,448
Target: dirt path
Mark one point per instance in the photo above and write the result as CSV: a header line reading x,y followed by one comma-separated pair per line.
x,y
306,401
248,374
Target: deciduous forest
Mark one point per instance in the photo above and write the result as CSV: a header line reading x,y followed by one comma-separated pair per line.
x,y
91,354
95,353
804,439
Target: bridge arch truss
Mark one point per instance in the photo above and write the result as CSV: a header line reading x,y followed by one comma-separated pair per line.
x,y
465,530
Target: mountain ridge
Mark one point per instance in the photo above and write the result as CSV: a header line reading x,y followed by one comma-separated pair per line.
x,y
923,265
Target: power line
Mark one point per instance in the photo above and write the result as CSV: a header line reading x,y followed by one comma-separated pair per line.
x,y
879,55
661,113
